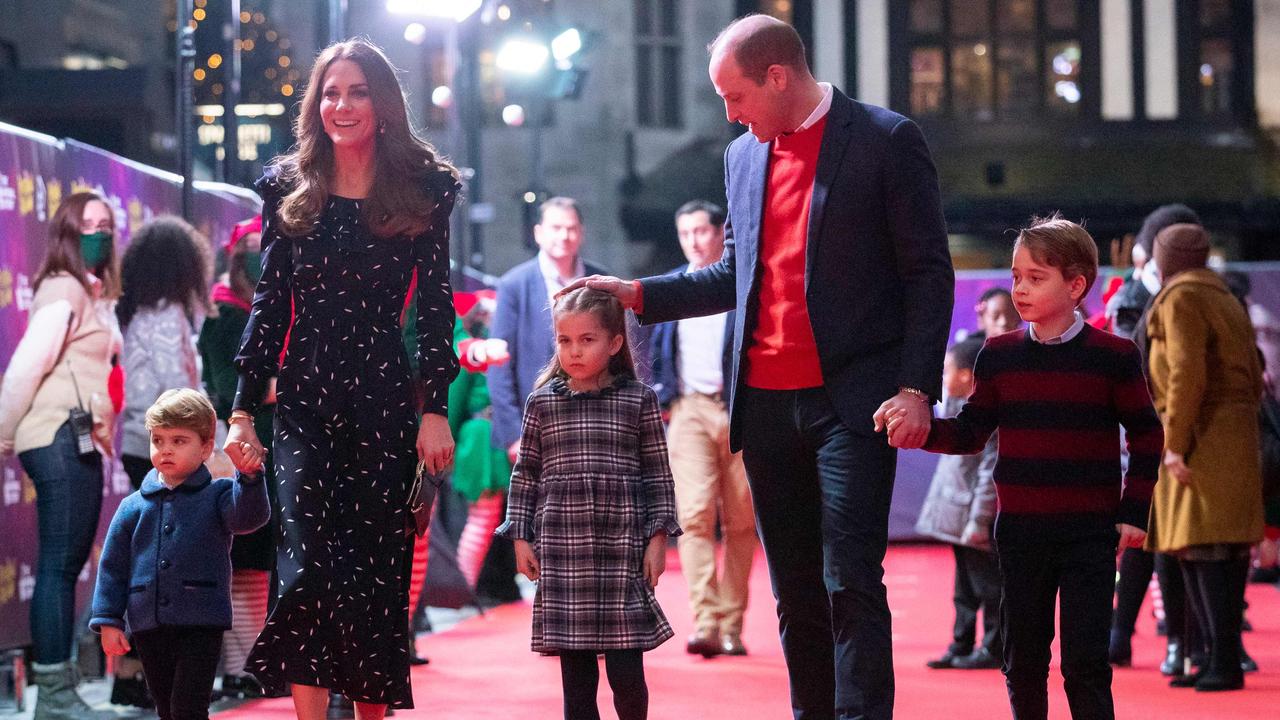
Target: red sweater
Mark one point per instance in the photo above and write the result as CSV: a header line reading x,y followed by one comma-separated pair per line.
x,y
783,354
1059,409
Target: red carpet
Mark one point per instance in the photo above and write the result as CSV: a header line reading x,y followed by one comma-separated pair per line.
x,y
483,667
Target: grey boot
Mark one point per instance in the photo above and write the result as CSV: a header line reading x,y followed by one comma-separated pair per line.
x,y
57,699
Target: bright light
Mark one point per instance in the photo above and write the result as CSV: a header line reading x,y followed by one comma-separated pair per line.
x,y
1067,90
415,33
523,56
566,44
530,197
456,10
442,96
242,110
513,115
504,13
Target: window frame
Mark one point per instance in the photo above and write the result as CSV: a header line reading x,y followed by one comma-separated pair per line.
x,y
659,102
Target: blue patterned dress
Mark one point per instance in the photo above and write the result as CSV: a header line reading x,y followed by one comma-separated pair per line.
x,y
345,429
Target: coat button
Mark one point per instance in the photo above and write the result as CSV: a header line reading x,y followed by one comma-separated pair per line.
x,y
168,529
164,564
164,602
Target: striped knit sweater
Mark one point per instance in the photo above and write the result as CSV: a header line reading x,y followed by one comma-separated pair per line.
x,y
1058,408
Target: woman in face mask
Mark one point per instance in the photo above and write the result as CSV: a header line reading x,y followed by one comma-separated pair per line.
x,y
55,413
252,555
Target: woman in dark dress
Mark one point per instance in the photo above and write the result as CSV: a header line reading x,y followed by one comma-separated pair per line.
x,y
357,207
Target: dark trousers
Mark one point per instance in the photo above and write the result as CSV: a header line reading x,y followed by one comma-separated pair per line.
x,y
179,664
580,676
1136,566
1081,576
977,587
1215,594
821,494
68,501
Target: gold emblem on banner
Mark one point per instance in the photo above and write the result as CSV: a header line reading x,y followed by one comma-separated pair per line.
x,y
26,194
135,215
53,188
8,581
80,185
6,287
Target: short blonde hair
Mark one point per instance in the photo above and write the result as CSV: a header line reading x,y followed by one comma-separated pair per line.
x,y
1060,243
183,409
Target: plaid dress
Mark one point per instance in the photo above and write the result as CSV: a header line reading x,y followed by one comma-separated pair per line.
x,y
590,487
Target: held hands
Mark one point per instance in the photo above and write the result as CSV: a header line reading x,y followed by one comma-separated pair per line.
x,y
1131,536
976,535
527,561
655,559
435,442
513,452
906,418
617,287
243,447
1176,463
489,352
114,641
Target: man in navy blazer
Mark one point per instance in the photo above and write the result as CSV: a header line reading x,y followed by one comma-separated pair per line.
x,y
836,260
523,314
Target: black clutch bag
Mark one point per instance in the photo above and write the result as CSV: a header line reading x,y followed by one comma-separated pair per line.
x,y
422,499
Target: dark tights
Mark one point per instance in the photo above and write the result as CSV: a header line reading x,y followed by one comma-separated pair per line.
x,y
580,676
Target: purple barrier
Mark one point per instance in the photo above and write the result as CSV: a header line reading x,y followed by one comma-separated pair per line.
x,y
36,172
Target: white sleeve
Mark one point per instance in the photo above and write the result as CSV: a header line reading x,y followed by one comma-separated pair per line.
x,y
33,359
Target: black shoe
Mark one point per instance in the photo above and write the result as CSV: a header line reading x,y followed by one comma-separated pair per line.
x,y
1247,664
416,659
1161,628
1173,659
131,691
1120,652
706,644
1185,681
1210,682
946,662
980,659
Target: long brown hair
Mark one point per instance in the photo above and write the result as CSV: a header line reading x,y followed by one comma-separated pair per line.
x,y
63,253
612,317
397,202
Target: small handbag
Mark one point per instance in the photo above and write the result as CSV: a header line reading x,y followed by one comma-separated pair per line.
x,y
422,499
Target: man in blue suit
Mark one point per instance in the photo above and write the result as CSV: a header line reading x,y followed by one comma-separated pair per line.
x,y
836,260
523,315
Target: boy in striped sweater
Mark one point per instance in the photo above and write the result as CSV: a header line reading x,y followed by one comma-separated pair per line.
x,y
1058,392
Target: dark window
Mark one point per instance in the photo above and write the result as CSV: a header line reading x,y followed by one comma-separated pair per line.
x,y
1216,57
994,59
658,66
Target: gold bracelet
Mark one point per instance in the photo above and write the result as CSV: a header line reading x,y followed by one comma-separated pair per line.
x,y
238,415
917,392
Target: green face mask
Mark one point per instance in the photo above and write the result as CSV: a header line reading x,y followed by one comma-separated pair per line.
x,y
253,266
94,248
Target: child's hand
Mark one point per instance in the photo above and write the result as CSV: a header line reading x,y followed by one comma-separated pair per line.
x,y
527,560
1131,536
114,641
1177,466
655,559
976,535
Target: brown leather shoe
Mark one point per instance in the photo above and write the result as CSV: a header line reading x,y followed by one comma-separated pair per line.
x,y
706,644
731,644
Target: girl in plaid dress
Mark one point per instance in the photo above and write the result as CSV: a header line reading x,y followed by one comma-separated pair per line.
x,y
591,507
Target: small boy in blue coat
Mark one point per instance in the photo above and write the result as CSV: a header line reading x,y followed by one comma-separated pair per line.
x,y
166,563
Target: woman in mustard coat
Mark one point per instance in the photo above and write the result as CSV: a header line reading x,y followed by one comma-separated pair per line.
x,y
1207,381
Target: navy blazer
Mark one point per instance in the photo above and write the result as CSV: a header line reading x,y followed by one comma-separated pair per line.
x,y
878,278
166,559
523,319
665,342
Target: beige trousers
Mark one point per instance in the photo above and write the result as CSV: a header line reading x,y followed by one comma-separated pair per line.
x,y
709,478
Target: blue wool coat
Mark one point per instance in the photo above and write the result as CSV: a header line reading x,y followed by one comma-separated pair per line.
x,y
167,556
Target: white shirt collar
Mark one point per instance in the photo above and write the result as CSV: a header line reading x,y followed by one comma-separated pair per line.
x,y
824,106
1149,278
1065,337
551,273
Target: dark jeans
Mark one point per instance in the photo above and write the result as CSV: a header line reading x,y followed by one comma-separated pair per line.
x,y
1136,566
1082,574
136,468
1215,594
977,587
179,664
580,677
68,502
821,493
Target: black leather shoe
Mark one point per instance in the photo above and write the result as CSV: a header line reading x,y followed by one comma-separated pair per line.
x,y
946,662
979,659
1174,659
1247,664
731,644
131,691
1210,682
1185,681
706,644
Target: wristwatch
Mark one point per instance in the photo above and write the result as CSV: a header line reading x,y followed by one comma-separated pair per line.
x,y
924,398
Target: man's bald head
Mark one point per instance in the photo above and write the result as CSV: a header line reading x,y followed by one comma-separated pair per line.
x,y
756,42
